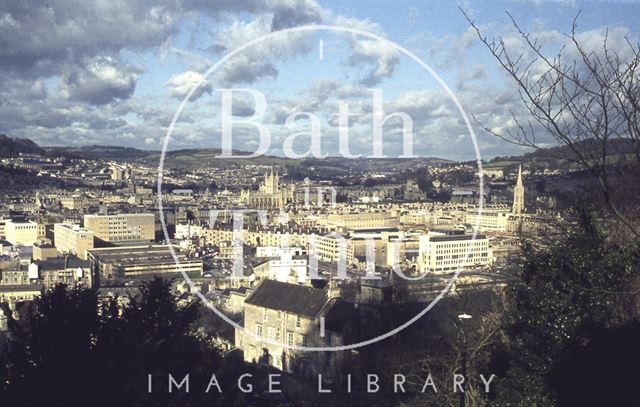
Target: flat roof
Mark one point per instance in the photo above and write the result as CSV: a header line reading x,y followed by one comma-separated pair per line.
x,y
95,215
448,238
73,227
57,263
157,254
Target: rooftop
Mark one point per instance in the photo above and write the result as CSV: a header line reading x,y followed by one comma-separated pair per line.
x,y
25,288
58,263
292,298
156,254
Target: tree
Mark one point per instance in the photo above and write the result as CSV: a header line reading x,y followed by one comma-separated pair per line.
x,y
566,294
53,350
70,350
588,101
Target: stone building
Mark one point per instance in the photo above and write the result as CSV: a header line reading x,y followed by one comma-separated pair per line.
x,y
270,195
279,318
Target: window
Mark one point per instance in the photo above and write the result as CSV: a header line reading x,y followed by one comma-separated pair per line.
x,y
290,339
259,330
270,333
303,340
265,315
298,322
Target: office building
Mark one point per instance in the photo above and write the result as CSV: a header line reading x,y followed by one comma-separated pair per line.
x,y
122,228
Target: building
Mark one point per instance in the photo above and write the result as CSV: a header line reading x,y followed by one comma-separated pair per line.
x,y
16,293
287,268
140,262
5,247
44,251
374,242
187,231
451,250
270,195
281,317
257,237
233,299
360,220
277,251
403,249
121,173
493,173
78,202
15,277
72,239
68,270
22,232
333,247
123,228
490,219
500,219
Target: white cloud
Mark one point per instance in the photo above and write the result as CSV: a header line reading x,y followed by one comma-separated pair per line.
x,y
179,85
99,81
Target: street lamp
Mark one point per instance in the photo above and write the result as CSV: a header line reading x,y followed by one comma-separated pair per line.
x,y
462,318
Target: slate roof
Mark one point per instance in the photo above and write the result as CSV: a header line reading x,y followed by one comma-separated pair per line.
x,y
292,298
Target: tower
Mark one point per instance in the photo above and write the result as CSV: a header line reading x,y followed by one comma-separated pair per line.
x,y
271,183
518,195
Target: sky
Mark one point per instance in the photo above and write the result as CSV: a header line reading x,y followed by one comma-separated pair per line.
x,y
115,72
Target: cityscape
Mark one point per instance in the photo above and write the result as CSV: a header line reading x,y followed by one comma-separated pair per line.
x,y
160,269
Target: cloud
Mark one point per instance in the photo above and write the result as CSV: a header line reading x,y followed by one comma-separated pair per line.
x,y
285,13
258,61
41,38
179,85
243,105
381,54
100,81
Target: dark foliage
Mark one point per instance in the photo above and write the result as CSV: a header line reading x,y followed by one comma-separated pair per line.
x,y
71,351
602,372
567,294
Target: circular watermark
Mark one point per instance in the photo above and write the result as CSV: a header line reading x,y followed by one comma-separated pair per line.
x,y
319,28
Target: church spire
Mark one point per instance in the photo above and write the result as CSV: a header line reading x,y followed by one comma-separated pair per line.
x,y
518,194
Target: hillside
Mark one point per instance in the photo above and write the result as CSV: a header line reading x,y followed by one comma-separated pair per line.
x,y
11,146
563,156
192,159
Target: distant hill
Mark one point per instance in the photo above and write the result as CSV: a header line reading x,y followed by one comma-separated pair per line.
x,y
195,158
111,153
563,156
185,158
190,159
11,146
